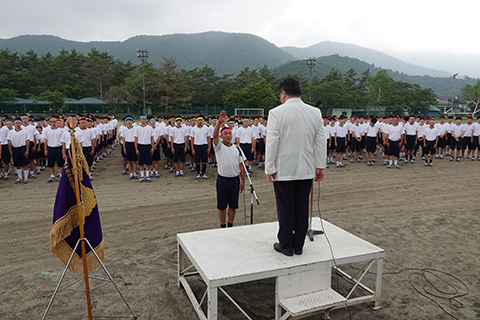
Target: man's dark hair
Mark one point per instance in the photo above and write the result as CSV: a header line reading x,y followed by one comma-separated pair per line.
x,y
291,87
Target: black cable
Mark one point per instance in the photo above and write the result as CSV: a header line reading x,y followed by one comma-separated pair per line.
x,y
330,246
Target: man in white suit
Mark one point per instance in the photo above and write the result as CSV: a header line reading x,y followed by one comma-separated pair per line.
x,y
295,154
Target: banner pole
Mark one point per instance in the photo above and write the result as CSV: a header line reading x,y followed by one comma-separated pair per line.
x,y
72,124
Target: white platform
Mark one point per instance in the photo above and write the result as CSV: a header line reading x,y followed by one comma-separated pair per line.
x,y
235,255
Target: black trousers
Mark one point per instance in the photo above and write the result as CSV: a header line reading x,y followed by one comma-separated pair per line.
x,y
292,211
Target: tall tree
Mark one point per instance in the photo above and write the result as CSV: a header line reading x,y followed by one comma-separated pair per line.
x,y
98,72
471,94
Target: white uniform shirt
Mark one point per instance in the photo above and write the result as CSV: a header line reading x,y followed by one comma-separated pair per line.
x,y
201,135
395,132
340,131
245,135
3,135
442,128
476,129
18,138
158,132
411,129
144,134
357,130
458,129
53,137
329,131
228,159
431,134
178,134
85,137
468,130
128,134
372,131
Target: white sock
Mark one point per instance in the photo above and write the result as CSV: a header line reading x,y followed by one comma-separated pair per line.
x,y
25,174
147,173
141,174
395,162
19,173
390,162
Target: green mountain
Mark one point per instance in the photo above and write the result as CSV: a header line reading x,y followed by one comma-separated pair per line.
x,y
441,85
379,59
227,53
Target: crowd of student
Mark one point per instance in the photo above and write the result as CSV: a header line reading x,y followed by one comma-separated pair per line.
x,y
29,146
397,137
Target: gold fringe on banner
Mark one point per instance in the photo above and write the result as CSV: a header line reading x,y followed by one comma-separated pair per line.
x,y
63,252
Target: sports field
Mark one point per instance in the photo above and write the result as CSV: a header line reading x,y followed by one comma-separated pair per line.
x,y
424,217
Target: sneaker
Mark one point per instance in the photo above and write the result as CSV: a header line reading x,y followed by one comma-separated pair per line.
x,y
411,161
157,175
425,165
397,167
135,175
441,157
192,169
351,160
342,165
468,156
166,167
177,174
148,179
260,165
462,156
33,176
360,157
437,156
204,176
19,180
451,159
327,167
389,166
130,176
142,180
430,164
38,170
423,157
199,176
338,166
358,160
414,158
124,172
181,173
51,180
25,180
473,159
91,178
458,159
5,177
171,169
58,175
385,163
369,163
214,165
478,159
406,161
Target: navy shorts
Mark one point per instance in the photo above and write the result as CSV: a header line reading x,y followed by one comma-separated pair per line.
x,y
156,153
355,145
179,152
429,149
19,159
6,156
201,153
145,157
130,153
122,152
55,155
394,149
227,192
410,145
475,143
371,144
454,144
88,156
32,154
340,145
363,142
442,142
247,150
467,142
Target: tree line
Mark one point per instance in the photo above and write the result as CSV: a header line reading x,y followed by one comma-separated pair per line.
x,y
98,74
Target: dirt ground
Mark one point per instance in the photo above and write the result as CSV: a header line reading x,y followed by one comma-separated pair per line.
x,y
423,217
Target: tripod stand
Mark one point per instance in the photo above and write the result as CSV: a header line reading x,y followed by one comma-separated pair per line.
x,y
252,190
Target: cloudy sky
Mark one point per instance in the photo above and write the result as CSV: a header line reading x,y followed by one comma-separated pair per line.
x,y
401,27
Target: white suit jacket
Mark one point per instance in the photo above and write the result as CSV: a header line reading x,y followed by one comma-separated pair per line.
x,y
296,141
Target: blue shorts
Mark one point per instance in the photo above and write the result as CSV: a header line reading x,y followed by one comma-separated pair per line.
x,y
410,145
179,152
144,157
130,153
429,149
55,155
19,159
394,149
247,150
340,145
371,144
227,192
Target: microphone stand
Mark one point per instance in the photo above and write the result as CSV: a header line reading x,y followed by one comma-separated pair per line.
x,y
252,190
311,232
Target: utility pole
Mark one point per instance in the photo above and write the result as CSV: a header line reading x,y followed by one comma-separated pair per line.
x,y
143,55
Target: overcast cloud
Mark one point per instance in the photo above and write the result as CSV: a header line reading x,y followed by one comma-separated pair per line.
x,y
388,26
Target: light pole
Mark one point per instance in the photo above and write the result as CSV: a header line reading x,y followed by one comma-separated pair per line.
x,y
143,55
311,63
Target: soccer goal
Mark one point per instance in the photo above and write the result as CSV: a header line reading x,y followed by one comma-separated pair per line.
x,y
247,112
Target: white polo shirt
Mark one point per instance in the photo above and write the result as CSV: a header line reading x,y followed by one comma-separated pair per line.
x,y
468,130
476,129
340,131
3,135
372,131
85,137
411,129
144,134
457,130
245,135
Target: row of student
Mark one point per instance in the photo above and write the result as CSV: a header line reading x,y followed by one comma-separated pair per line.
x,y
183,140
393,135
46,143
